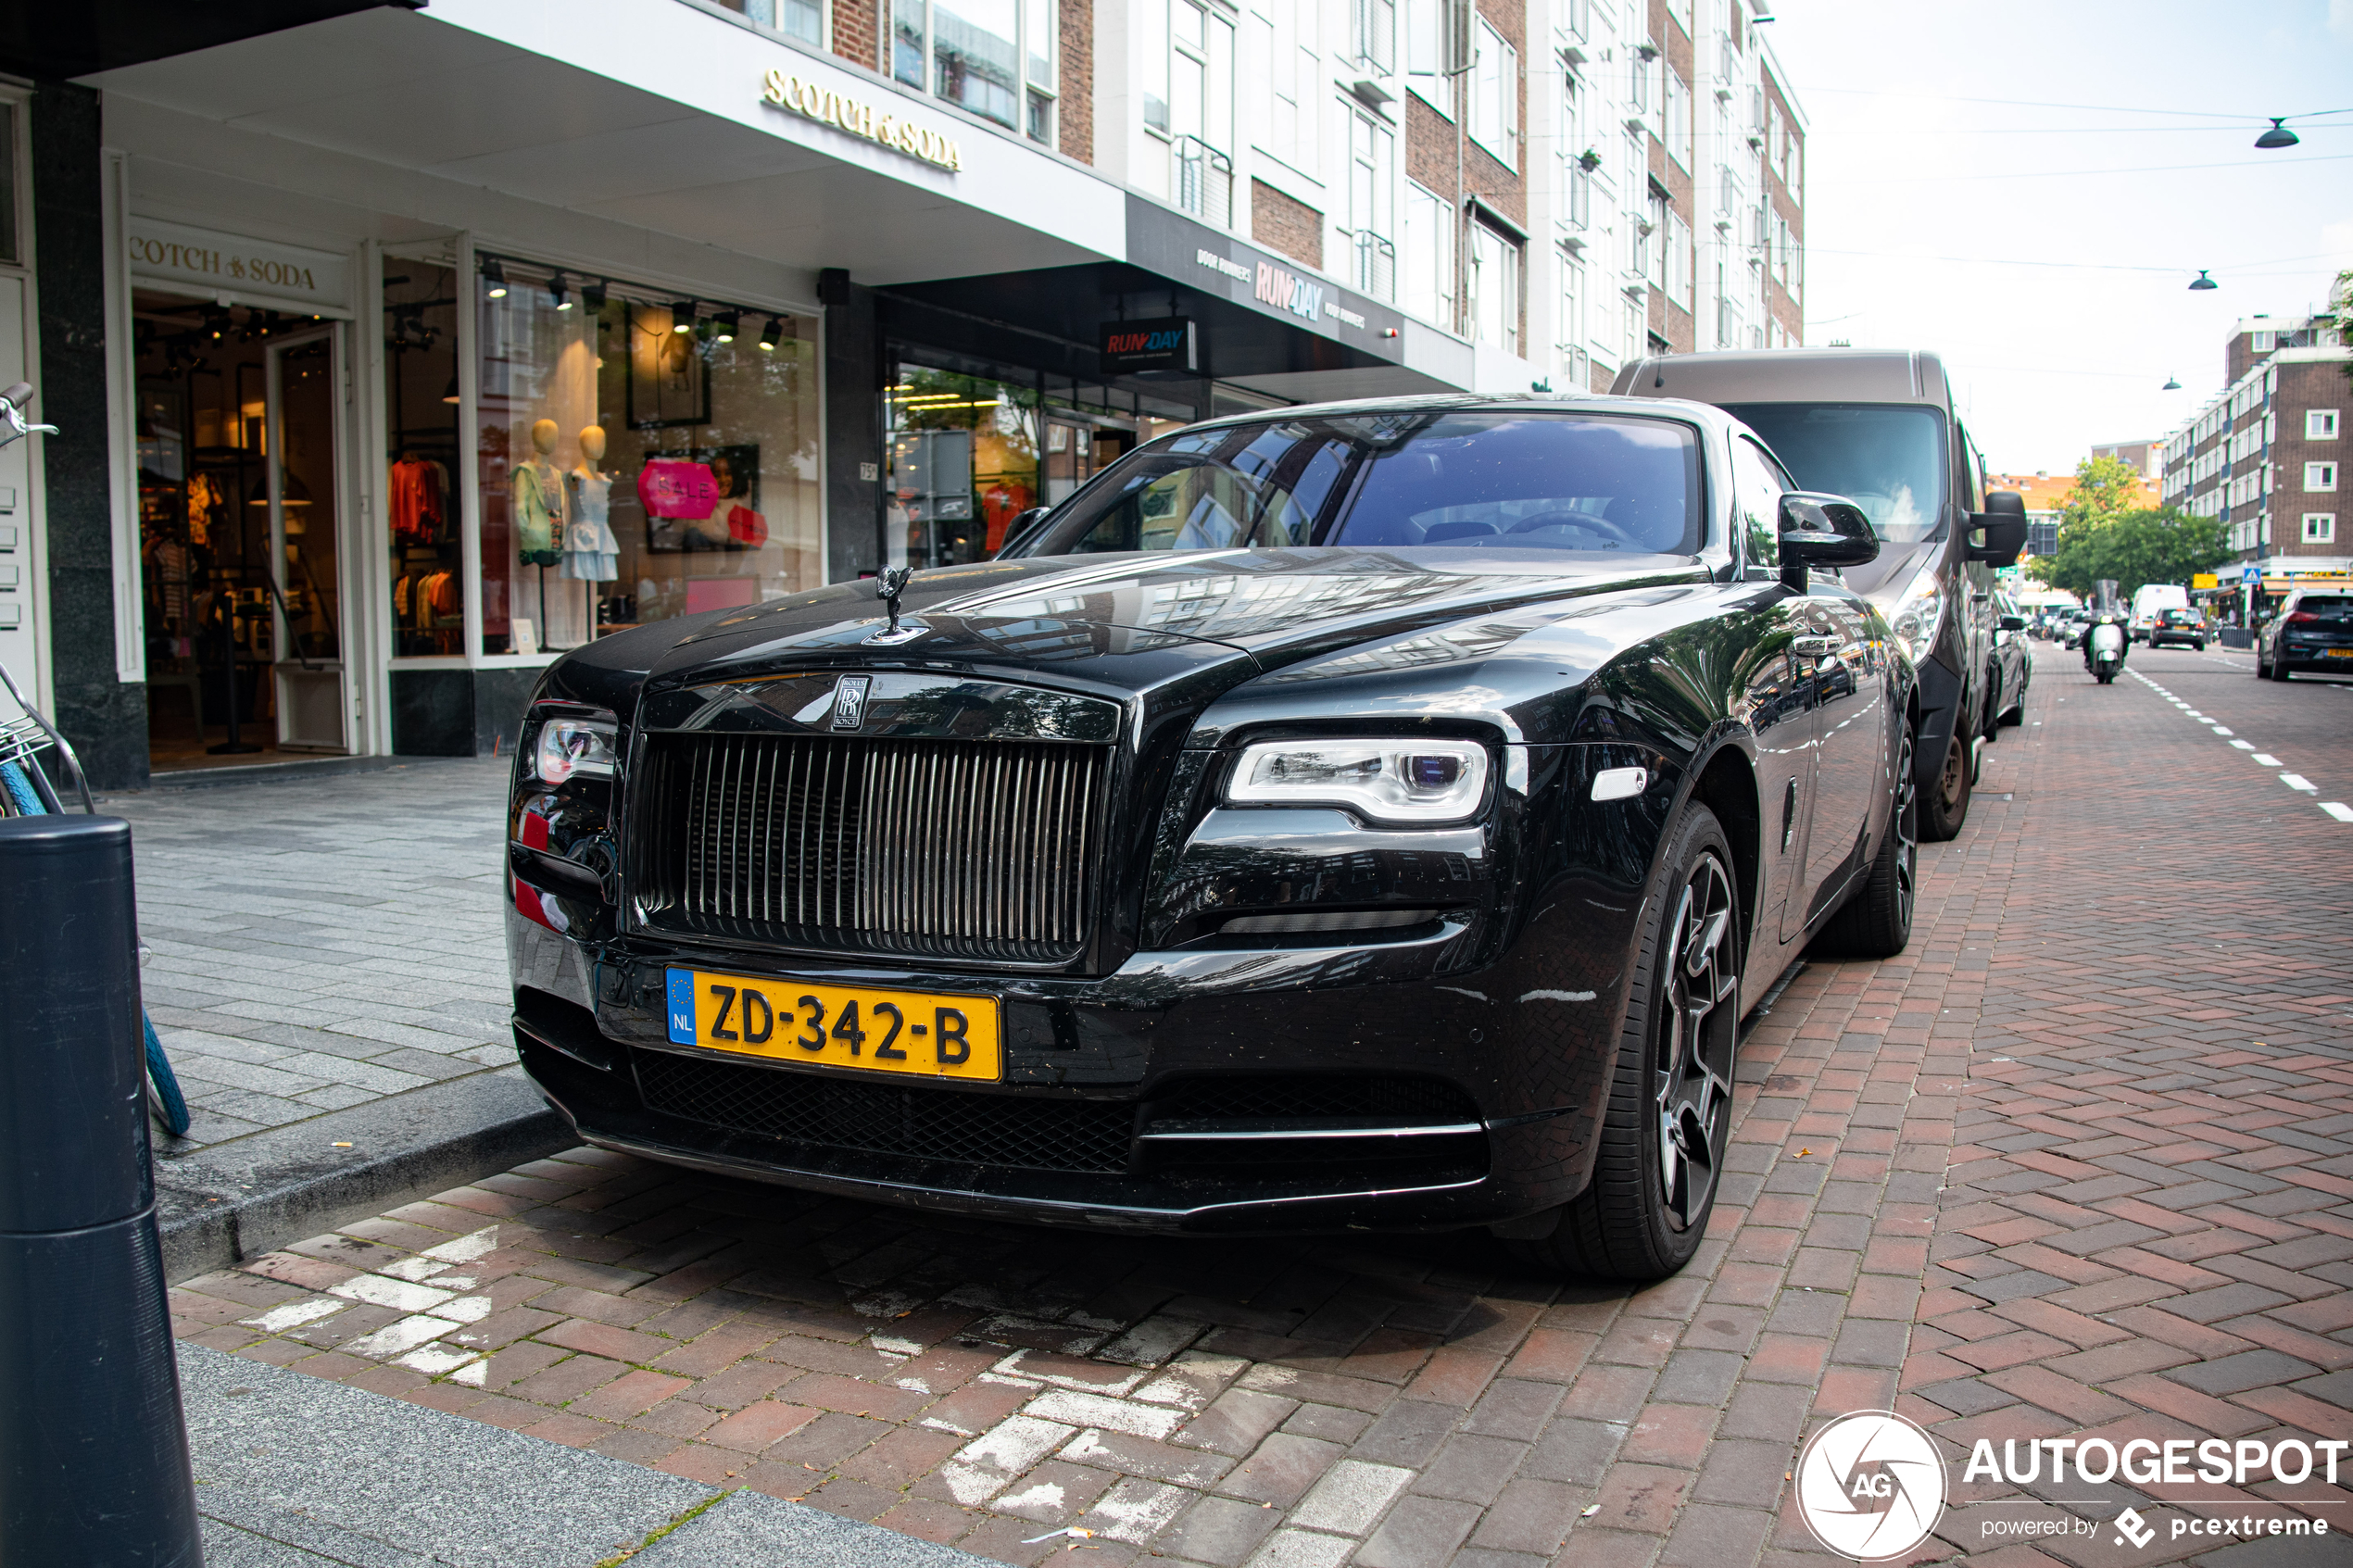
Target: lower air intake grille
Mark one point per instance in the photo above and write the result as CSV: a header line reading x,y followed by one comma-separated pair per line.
x,y
1427,1101
922,1121
964,850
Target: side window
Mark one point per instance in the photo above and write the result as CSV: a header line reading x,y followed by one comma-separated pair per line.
x,y
1758,485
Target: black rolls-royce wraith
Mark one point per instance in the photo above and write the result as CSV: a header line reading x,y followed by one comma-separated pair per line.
x,y
1369,816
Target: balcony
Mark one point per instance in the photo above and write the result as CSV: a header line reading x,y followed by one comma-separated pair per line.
x,y
1204,180
1375,269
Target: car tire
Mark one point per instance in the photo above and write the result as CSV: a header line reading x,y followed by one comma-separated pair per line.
x,y
1944,804
1992,731
1876,920
1669,1121
2197,647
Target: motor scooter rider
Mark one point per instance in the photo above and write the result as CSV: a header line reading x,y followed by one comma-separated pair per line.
x,y
2106,618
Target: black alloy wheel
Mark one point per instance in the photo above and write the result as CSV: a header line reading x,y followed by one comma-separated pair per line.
x,y
1945,807
1876,920
1670,1116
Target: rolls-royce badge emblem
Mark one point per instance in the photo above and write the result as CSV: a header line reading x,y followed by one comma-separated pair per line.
x,y
849,700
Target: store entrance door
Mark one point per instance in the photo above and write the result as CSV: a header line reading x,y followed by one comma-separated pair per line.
x,y
303,376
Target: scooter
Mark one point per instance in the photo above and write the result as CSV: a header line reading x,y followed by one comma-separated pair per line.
x,y
2108,651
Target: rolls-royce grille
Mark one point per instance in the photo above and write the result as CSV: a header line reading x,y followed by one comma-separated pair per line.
x,y
925,1122
973,849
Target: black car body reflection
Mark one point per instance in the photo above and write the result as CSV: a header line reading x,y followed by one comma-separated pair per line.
x,y
1218,1012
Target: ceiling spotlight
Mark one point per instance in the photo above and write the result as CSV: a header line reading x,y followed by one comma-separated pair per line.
x,y
449,393
593,296
2170,385
772,334
728,320
495,276
2278,136
682,316
560,291
217,323
2204,282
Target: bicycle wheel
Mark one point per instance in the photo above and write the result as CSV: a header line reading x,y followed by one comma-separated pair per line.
x,y
165,1099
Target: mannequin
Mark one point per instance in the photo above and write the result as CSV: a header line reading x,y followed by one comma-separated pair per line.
x,y
591,554
538,490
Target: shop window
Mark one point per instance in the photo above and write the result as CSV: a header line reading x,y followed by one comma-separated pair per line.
x,y
422,451
8,182
638,456
995,58
964,462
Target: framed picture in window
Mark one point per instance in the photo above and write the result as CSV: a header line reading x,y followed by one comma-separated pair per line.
x,y
669,379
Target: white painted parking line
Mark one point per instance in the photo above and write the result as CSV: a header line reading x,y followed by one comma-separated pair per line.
x,y
2297,781
2242,746
2338,810
2267,760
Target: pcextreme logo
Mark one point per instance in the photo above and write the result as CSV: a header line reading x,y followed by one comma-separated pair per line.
x,y
1871,1485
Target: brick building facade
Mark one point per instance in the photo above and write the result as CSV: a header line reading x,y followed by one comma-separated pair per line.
x,y
2265,455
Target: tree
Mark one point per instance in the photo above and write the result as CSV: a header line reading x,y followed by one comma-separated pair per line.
x,y
2148,545
2104,487
2341,301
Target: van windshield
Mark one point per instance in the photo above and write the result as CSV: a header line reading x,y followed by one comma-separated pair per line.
x,y
1888,460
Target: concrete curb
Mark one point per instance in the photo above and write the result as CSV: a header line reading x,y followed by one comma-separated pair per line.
x,y
230,1201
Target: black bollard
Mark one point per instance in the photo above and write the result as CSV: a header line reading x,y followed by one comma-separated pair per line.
x,y
93,1450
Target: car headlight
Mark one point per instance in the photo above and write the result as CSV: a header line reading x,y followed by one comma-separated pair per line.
x,y
570,747
1920,613
1388,781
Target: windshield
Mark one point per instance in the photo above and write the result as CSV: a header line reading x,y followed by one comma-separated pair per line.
x,y
1888,460
2327,610
1453,478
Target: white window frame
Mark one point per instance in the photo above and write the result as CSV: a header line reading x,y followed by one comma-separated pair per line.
x,y
1677,111
2320,425
1428,224
1039,14
2319,528
1496,267
2319,478
1494,94
1372,218
1427,50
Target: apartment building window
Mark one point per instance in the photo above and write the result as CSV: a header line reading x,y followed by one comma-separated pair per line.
x,y
993,57
2320,425
1494,288
795,19
1577,182
2319,528
1371,158
1630,333
1678,119
1372,35
1494,105
1681,261
2319,477
1429,256
1577,19
1727,317
1430,51
1572,322
1285,47
1188,100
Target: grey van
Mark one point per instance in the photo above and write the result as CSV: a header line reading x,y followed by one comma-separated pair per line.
x,y
1878,426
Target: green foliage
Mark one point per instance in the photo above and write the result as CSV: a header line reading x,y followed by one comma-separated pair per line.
x,y
2341,301
2149,545
2103,488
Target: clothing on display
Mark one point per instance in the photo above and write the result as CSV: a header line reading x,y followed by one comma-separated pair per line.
x,y
1000,504
417,507
591,554
539,512
204,500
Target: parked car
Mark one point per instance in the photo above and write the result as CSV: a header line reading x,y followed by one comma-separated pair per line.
x,y
2177,628
1879,426
2011,669
1371,816
2312,631
2072,629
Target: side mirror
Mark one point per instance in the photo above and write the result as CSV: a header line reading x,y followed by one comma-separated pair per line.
x,y
1022,527
2013,623
2003,524
1819,530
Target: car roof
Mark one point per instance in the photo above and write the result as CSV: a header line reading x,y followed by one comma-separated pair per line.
x,y
1793,375
1575,402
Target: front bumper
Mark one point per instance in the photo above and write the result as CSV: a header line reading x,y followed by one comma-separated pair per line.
x,y
1516,1056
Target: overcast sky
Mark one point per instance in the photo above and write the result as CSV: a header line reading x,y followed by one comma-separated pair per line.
x,y
1910,193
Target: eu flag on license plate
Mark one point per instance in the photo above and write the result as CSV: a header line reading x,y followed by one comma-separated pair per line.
x,y
682,1006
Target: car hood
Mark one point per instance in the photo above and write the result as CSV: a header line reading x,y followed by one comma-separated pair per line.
x,y
1114,618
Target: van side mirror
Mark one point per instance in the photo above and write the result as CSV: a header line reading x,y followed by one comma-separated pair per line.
x,y
1998,533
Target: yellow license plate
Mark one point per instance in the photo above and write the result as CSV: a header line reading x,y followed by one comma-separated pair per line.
x,y
920,1033
2340,653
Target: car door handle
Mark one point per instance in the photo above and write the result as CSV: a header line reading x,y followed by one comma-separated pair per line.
x,y
1812,648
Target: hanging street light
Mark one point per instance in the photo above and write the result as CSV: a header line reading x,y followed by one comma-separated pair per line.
x,y
2204,282
2278,136
2170,385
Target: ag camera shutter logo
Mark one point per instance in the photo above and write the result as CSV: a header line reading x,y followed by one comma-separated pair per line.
x,y
1871,1485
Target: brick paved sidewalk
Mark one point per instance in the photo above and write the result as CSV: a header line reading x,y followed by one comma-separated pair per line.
x,y
320,943
1395,1402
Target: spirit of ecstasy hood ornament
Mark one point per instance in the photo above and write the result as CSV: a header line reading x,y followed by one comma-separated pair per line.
x,y
889,584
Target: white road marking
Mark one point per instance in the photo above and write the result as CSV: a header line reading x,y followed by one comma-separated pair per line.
x,y
2242,745
2338,810
467,1248
399,1338
293,1314
2297,781
398,1293
2266,759
1094,1409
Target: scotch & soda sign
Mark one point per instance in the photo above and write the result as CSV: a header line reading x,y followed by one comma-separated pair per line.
x,y
845,113
243,268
